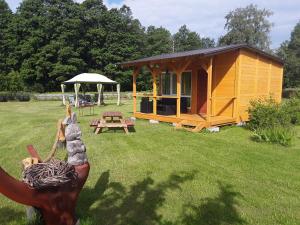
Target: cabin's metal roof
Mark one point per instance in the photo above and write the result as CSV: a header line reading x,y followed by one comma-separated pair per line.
x,y
202,52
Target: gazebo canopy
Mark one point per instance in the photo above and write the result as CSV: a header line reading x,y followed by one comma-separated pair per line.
x,y
90,78
93,78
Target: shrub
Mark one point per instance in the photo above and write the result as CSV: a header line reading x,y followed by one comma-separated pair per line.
x,y
271,121
267,113
11,96
23,96
280,135
3,97
292,108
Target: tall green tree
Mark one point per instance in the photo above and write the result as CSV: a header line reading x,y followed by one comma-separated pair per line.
x,y
289,51
124,41
185,40
157,41
248,25
48,35
93,41
6,17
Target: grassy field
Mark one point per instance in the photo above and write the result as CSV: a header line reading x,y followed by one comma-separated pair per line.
x,y
157,175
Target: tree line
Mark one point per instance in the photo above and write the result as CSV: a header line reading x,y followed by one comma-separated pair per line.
x,y
46,42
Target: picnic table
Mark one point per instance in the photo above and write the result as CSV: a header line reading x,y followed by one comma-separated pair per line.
x,y
111,120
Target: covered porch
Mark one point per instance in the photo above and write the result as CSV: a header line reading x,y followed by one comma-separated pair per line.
x,y
181,93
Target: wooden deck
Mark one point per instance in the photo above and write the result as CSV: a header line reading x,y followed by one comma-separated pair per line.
x,y
192,119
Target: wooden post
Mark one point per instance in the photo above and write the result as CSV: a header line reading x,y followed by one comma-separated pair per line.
x,y
154,75
213,92
237,86
209,82
134,75
178,75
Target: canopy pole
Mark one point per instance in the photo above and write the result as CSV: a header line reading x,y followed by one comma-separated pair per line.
x,y
76,88
99,88
102,95
119,97
63,94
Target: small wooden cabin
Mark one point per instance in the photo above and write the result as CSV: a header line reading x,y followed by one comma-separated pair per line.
x,y
206,87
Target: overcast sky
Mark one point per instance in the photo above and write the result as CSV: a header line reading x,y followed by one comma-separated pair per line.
x,y
206,16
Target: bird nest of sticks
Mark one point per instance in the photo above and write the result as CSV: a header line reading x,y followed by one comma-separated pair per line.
x,y
49,174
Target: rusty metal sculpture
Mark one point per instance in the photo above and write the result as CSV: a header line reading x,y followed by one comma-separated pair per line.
x,y
56,204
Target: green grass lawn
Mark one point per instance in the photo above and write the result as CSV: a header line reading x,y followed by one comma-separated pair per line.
x,y
157,175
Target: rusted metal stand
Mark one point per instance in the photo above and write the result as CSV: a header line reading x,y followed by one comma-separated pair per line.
x,y
57,205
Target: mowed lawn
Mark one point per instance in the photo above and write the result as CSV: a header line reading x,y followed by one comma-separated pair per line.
x,y
157,175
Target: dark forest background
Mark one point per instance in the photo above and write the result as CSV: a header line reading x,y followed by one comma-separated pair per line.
x,y
46,42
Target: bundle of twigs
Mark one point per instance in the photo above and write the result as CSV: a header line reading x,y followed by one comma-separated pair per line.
x,y
49,174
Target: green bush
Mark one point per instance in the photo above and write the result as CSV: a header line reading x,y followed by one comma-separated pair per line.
x,y
3,97
11,96
279,135
292,108
267,113
22,96
271,121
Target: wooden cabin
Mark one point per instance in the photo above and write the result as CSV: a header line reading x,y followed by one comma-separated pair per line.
x,y
206,87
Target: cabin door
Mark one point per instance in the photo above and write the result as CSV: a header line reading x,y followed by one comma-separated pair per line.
x,y
202,92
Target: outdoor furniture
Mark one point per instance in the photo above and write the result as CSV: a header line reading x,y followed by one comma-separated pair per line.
x,y
111,120
72,100
82,106
146,105
167,106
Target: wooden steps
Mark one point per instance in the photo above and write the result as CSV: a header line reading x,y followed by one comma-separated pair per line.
x,y
190,125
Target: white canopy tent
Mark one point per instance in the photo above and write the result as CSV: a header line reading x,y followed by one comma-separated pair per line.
x,y
89,78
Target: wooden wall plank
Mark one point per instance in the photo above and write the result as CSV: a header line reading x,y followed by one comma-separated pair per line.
x,y
178,75
224,78
134,76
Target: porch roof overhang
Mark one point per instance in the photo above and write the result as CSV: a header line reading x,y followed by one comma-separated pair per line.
x,y
207,52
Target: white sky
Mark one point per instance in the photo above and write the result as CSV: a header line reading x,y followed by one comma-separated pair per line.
x,y
206,17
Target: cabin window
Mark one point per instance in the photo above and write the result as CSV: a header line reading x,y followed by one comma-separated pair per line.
x,y
186,84
168,83
186,87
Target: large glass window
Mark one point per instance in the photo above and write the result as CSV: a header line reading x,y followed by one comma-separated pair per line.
x,y
186,84
174,84
186,87
169,84
166,87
